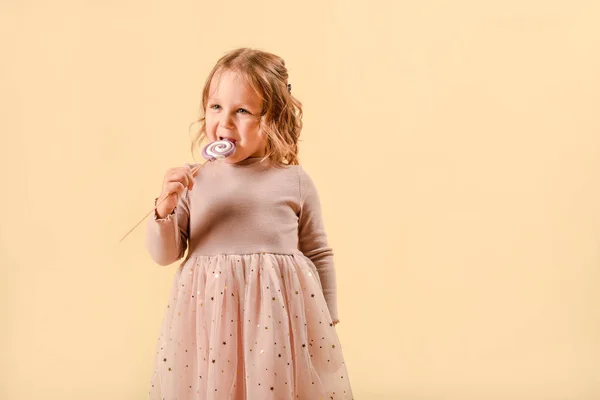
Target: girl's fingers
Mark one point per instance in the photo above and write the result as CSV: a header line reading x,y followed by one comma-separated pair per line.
x,y
190,179
175,187
181,176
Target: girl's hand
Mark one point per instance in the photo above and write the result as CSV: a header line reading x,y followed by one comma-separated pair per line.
x,y
174,183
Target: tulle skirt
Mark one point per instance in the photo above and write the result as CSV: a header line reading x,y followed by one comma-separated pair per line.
x,y
253,326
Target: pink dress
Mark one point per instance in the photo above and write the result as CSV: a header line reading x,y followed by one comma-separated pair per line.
x,y
252,305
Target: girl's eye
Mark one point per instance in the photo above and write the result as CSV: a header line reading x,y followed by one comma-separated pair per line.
x,y
241,110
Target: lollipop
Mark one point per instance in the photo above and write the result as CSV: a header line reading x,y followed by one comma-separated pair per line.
x,y
218,149
213,151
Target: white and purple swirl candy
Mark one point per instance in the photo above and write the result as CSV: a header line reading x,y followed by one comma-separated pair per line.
x,y
218,149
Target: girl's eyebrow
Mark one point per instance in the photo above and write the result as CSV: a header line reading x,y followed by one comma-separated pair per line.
x,y
248,105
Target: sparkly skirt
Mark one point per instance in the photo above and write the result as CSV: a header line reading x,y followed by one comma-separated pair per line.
x,y
253,326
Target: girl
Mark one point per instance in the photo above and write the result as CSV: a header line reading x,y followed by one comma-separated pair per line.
x,y
252,308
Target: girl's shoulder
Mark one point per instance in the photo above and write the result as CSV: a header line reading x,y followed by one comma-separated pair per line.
x,y
294,174
306,183
297,170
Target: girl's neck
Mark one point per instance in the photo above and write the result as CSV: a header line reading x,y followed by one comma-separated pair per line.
x,y
249,161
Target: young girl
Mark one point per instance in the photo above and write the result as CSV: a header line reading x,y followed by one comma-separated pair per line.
x,y
252,308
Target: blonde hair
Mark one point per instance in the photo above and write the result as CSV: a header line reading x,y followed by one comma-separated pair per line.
x,y
281,115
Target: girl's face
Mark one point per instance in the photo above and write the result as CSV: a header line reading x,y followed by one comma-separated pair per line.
x,y
233,112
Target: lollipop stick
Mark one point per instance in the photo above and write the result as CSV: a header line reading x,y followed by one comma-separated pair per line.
x,y
197,168
194,170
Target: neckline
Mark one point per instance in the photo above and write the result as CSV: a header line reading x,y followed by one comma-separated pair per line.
x,y
247,161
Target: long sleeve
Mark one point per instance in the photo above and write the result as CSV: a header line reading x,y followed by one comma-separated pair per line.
x,y
167,238
313,241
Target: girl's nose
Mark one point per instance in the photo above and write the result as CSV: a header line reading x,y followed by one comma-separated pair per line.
x,y
226,121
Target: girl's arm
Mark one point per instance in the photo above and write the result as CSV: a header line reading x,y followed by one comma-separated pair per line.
x,y
313,241
167,238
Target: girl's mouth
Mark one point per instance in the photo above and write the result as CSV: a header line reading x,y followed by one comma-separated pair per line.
x,y
225,138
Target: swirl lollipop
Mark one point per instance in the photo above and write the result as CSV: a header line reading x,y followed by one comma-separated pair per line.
x,y
218,149
213,151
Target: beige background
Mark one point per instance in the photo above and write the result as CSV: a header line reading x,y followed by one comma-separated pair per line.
x,y
456,146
